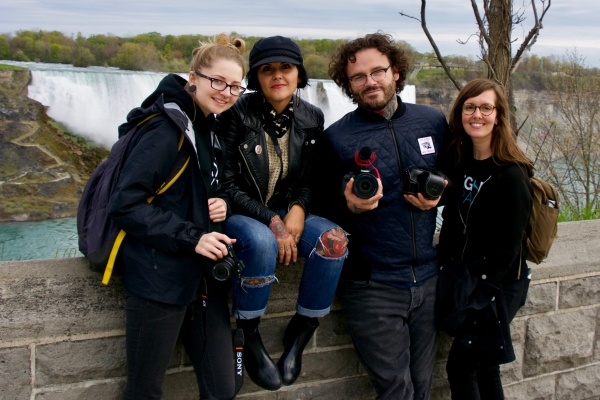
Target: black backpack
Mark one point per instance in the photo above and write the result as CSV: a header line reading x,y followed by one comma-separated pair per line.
x,y
99,237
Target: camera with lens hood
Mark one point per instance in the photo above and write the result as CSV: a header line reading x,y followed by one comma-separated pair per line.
x,y
227,266
427,181
365,175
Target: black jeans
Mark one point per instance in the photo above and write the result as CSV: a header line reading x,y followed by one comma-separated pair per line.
x,y
469,378
394,335
152,329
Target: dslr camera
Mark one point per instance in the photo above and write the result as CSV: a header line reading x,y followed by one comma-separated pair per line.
x,y
427,181
365,175
227,266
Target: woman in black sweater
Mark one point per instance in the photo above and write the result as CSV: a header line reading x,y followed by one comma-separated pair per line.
x,y
483,277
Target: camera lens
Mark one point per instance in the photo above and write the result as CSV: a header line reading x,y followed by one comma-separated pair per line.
x,y
222,270
365,185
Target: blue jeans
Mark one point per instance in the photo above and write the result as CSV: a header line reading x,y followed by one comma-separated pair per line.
x,y
394,334
257,248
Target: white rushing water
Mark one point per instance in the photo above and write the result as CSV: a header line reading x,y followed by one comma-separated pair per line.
x,y
92,102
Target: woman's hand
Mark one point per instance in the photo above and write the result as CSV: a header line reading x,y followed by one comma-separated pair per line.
x,y
217,209
294,222
287,247
213,245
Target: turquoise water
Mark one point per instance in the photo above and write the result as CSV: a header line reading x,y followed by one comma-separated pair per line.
x,y
55,238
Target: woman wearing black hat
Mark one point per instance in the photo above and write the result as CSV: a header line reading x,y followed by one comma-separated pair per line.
x,y
270,136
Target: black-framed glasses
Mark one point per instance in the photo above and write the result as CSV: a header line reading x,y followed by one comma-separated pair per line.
x,y
217,84
484,109
361,80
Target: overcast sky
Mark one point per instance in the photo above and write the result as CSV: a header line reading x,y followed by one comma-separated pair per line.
x,y
569,24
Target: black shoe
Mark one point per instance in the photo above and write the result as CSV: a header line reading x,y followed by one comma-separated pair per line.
x,y
296,337
259,366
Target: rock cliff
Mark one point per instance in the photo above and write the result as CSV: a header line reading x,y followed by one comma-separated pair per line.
x,y
42,169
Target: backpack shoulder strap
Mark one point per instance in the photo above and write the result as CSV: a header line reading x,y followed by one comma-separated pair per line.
x,y
180,164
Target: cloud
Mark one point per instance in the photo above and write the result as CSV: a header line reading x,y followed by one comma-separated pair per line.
x,y
566,25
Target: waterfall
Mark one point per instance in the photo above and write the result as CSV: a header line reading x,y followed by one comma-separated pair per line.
x,y
92,102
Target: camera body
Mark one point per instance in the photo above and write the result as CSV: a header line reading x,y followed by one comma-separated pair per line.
x,y
227,266
365,174
427,181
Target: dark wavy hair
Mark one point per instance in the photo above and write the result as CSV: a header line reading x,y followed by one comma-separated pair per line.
x,y
347,53
504,144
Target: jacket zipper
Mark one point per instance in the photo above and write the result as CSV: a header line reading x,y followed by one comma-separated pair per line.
x,y
252,176
466,219
412,218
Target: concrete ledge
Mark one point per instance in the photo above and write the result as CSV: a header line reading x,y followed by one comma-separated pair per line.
x,y
62,334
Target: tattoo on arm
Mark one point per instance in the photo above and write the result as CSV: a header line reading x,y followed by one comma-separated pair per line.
x,y
278,228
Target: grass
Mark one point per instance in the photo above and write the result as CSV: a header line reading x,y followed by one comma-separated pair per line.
x,y
571,214
11,67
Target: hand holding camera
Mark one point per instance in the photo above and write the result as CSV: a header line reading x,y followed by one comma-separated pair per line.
x,y
423,186
227,266
362,186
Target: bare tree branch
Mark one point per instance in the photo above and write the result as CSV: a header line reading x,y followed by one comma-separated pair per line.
x,y
434,45
533,34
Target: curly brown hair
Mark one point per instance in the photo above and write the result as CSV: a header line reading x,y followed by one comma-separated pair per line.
x,y
504,145
347,53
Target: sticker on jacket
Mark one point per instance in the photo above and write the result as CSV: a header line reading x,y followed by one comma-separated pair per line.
x,y
426,145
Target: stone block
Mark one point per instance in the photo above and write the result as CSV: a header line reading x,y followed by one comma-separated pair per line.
x,y
355,388
541,298
284,292
99,391
583,383
59,297
513,372
15,373
444,345
440,377
534,389
180,386
71,362
333,331
328,365
579,292
597,346
441,393
560,341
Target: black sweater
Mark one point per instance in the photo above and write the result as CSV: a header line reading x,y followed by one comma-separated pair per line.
x,y
493,226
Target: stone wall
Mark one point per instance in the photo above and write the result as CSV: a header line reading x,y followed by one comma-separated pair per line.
x,y
62,334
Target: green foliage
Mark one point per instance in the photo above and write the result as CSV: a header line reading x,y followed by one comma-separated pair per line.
x,y
572,214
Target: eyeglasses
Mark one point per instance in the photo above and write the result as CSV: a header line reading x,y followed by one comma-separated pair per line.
x,y
485,109
217,84
361,80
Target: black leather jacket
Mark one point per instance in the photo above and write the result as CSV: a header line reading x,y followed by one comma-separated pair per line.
x,y
246,174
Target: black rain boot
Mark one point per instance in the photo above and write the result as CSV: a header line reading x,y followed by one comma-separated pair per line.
x,y
296,337
259,366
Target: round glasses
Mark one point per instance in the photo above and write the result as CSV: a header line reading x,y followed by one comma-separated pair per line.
x,y
361,80
484,109
217,84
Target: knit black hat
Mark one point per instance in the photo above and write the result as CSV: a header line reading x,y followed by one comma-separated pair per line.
x,y
275,49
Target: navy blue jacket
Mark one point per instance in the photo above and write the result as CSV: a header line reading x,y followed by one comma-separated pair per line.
x,y
158,254
392,243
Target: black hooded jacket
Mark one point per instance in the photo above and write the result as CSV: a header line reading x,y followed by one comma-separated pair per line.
x,y
158,254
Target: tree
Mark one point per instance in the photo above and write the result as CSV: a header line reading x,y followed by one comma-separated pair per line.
x,y
564,141
84,58
494,34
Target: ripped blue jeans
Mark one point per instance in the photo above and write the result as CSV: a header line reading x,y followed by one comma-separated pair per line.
x,y
257,248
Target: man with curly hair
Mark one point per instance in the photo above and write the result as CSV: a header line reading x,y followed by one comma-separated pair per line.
x,y
388,283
